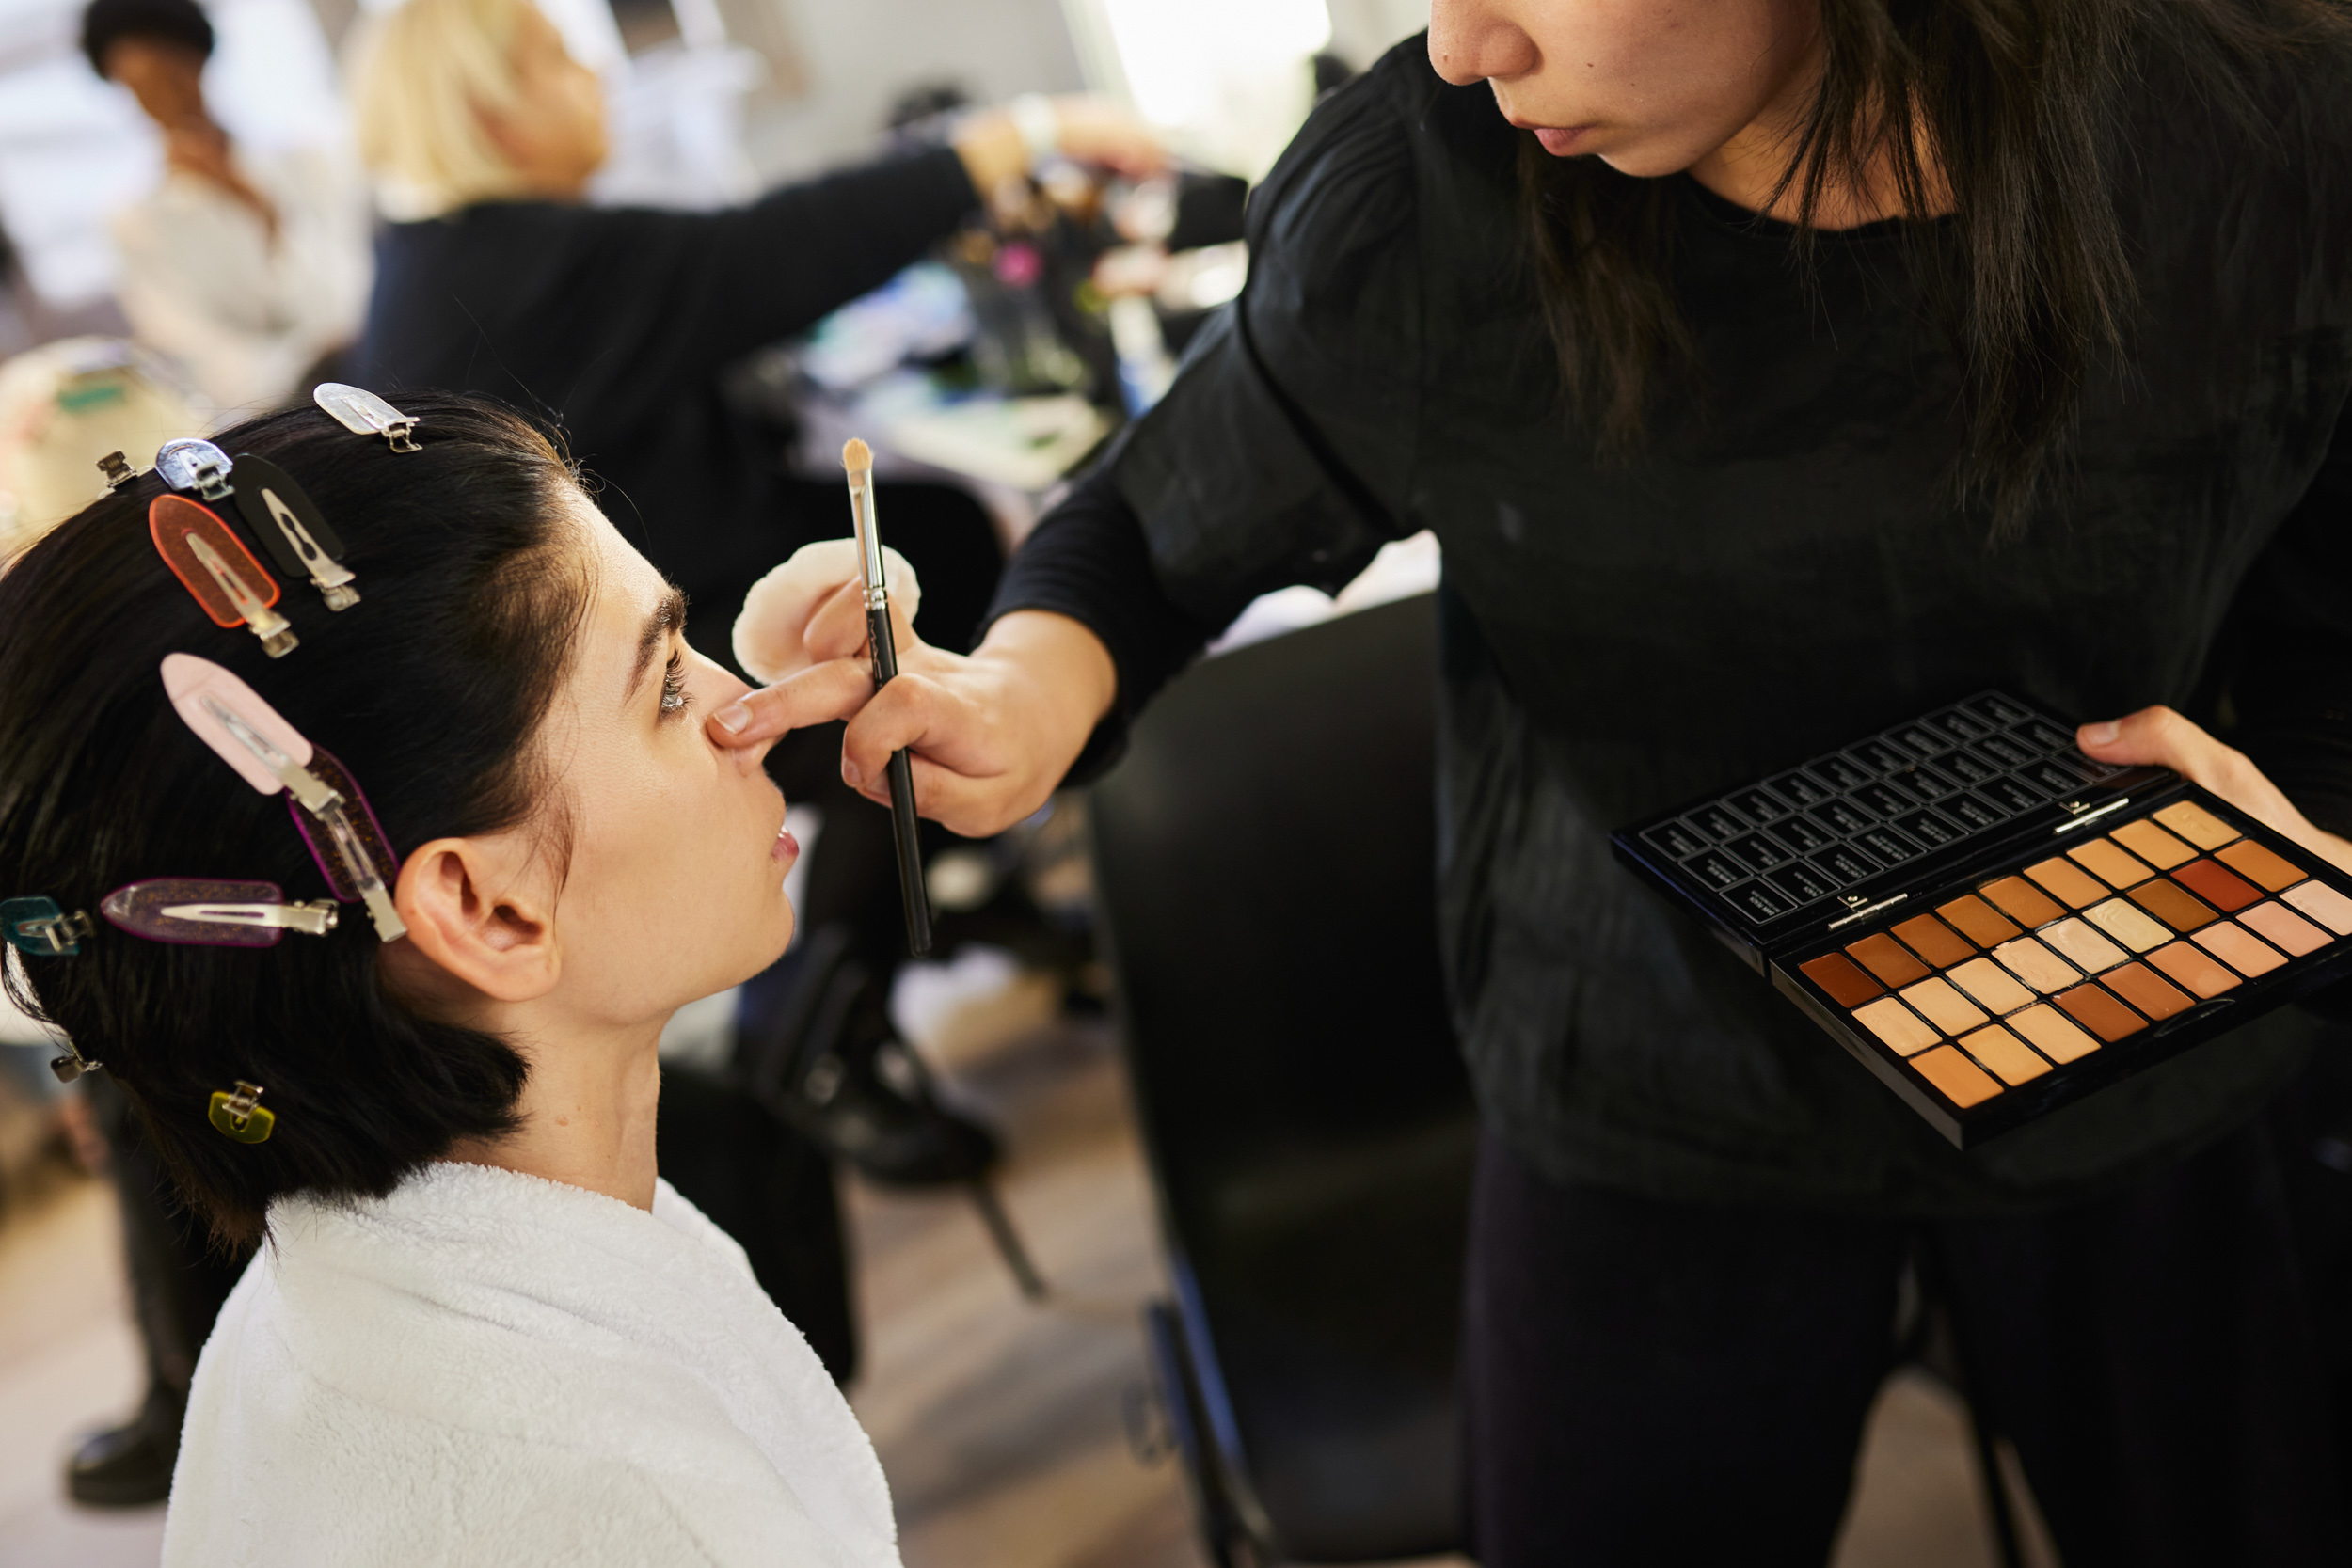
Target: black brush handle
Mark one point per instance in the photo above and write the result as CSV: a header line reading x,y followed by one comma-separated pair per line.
x,y
902,817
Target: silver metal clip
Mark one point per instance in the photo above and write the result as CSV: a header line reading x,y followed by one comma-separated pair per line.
x,y
118,470
363,413
192,465
315,918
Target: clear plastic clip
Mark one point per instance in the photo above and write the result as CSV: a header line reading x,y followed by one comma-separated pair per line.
x,y
363,413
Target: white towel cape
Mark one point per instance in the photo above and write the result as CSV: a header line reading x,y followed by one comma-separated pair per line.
x,y
492,1369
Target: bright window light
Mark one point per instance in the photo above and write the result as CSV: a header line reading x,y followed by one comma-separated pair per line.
x,y
1178,55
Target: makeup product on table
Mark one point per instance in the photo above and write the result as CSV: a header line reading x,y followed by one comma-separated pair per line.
x,y
1992,922
858,459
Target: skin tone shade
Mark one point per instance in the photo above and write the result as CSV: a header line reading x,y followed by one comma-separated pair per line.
x,y
1934,941
1887,959
2195,968
2005,1053
1836,975
2035,965
2326,904
1898,1025
2068,883
2264,867
2236,947
2144,988
2053,1034
2106,859
2170,903
1976,920
2218,886
2098,1011
2282,927
2129,924
1992,985
2196,824
1957,1078
2087,949
2153,845
2022,901
1940,1004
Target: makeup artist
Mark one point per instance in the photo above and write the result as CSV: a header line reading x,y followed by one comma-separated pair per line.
x,y
621,324
1770,372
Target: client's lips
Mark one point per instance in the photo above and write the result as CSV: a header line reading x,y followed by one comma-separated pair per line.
x,y
786,849
1561,141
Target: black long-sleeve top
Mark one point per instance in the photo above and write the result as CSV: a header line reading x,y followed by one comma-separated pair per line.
x,y
1784,567
619,321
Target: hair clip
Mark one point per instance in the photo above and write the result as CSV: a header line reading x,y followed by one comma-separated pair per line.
x,y
356,858
72,1063
191,463
117,470
363,413
196,912
40,927
289,527
239,1115
214,565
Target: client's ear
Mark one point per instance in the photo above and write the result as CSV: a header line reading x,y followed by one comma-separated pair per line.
x,y
475,910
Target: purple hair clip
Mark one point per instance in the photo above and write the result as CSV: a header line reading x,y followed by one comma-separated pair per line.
x,y
212,912
270,754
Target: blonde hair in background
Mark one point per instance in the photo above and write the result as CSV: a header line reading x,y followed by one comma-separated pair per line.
x,y
422,74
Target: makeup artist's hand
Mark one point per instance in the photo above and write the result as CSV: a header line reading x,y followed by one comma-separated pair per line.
x,y
1087,130
992,734
2160,736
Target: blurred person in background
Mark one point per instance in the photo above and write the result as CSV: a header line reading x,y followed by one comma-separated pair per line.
x,y
482,133
62,407
248,268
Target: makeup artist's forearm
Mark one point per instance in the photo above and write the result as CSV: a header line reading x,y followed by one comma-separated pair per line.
x,y
1062,658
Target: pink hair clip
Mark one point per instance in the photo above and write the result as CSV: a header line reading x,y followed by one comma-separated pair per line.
x,y
273,756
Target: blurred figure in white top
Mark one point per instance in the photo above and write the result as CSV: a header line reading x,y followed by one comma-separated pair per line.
x,y
249,269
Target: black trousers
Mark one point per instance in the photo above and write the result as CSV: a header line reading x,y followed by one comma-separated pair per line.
x,y
1658,1384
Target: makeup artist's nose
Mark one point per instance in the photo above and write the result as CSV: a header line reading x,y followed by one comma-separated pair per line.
x,y
1470,40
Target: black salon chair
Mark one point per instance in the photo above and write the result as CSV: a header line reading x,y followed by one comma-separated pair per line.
x,y
1265,860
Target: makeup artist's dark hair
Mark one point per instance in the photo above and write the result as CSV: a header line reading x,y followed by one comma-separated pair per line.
x,y
430,691
2024,105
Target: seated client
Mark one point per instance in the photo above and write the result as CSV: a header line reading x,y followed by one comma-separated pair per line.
x,y
374,914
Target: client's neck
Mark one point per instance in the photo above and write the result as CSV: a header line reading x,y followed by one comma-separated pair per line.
x,y
586,1114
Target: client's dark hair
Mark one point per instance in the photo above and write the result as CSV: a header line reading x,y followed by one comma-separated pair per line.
x,y
430,692
179,21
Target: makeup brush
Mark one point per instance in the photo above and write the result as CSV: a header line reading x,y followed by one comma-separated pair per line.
x,y
858,459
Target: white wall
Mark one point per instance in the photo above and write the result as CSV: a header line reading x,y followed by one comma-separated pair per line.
x,y
858,57
1362,30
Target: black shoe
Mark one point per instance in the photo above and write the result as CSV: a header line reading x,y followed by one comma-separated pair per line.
x,y
129,1466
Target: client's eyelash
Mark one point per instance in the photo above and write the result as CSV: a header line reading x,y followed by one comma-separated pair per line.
x,y
673,697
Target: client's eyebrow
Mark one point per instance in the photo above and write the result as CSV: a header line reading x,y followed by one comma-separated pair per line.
x,y
667,617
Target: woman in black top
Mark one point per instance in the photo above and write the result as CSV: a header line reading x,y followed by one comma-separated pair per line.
x,y
2028,375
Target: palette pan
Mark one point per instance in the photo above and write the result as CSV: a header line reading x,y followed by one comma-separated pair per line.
x,y
1994,923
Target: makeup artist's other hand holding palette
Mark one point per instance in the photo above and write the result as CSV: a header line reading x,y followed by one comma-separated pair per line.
x,y
1995,924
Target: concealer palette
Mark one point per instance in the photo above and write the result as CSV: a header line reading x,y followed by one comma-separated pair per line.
x,y
1991,921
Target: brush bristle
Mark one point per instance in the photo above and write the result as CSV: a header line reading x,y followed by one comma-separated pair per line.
x,y
857,456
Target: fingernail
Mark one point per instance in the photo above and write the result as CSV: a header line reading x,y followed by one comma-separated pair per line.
x,y
2102,734
733,717
852,775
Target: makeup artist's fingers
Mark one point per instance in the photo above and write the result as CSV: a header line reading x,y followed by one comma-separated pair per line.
x,y
771,632
818,695
2160,736
837,630
973,773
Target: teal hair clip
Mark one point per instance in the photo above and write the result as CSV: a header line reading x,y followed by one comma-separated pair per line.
x,y
39,926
